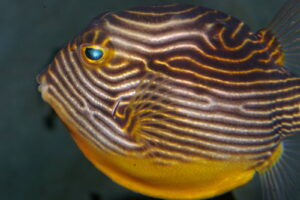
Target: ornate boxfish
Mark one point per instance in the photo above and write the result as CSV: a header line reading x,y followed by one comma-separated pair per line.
x,y
183,102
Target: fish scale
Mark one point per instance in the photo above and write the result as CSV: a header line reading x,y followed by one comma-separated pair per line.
x,y
181,101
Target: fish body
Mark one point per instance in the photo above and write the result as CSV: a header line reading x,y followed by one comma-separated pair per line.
x,y
177,101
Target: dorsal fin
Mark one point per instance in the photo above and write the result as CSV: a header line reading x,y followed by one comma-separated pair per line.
x,y
286,28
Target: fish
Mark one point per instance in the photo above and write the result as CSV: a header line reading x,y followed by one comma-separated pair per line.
x,y
179,101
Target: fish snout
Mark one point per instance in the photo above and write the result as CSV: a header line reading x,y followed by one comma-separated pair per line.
x,y
42,82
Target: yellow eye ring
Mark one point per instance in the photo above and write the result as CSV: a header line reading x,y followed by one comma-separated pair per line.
x,y
93,54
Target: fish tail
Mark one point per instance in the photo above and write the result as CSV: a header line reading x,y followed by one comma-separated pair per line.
x,y
286,28
281,181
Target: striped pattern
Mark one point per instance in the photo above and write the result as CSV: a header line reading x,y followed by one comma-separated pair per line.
x,y
184,82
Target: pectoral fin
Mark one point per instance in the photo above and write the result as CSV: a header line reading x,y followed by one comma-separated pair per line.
x,y
148,104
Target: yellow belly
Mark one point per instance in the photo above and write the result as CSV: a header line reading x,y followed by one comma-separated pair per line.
x,y
182,180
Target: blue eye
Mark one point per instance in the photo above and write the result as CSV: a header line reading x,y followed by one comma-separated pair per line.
x,y
93,53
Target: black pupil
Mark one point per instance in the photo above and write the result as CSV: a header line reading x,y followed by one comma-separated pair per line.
x,y
93,54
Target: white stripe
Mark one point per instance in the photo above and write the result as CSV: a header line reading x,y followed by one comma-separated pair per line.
x,y
160,38
163,25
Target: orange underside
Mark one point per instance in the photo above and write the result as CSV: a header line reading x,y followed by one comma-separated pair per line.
x,y
197,180
182,180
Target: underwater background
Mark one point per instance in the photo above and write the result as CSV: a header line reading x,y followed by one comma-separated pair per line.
x,y
38,158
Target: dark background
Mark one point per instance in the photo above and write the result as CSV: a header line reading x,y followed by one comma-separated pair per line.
x,y
39,160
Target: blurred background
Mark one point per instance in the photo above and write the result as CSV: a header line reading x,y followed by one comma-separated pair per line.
x,y
38,158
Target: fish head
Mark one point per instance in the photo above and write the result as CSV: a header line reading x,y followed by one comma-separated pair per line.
x,y
89,50
102,55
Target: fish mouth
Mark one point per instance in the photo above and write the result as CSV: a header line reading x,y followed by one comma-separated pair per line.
x,y
42,84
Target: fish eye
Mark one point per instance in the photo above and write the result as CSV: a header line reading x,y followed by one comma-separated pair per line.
x,y
93,54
